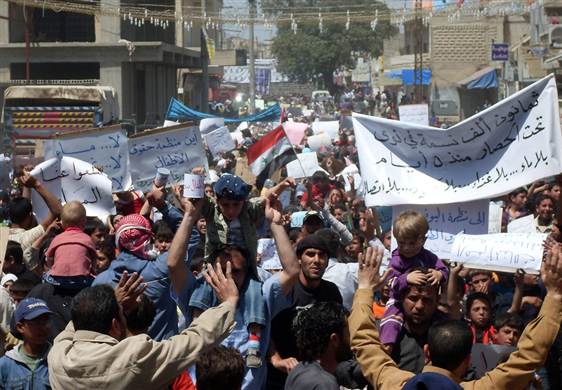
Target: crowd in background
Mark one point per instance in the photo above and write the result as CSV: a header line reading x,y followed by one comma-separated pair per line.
x,y
171,292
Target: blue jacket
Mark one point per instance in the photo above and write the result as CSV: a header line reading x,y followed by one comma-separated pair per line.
x,y
16,375
155,274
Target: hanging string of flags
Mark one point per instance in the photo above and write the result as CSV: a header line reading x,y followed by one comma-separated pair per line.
x,y
165,17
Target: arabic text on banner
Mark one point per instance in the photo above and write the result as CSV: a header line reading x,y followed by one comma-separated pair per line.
x,y
504,147
178,149
106,148
500,252
71,179
446,221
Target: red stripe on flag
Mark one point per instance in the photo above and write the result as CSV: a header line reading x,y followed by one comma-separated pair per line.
x,y
264,144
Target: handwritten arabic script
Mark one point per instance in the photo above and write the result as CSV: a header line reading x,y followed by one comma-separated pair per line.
x,y
178,150
446,221
107,149
508,145
501,252
71,179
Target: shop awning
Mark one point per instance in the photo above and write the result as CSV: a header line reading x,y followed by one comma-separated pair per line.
x,y
483,79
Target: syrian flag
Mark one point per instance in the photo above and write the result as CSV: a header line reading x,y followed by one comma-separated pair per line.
x,y
271,152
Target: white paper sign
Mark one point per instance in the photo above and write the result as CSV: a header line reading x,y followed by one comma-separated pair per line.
x,y
330,128
237,136
209,124
494,218
267,252
106,148
193,186
69,179
219,141
414,113
179,149
317,142
446,221
351,170
500,252
522,225
306,161
496,151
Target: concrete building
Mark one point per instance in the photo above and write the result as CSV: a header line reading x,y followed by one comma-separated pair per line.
x,y
140,61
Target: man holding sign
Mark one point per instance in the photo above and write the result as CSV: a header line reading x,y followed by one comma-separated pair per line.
x,y
22,229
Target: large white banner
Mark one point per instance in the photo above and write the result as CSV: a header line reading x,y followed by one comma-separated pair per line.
x,y
105,148
71,179
446,221
178,148
500,252
504,147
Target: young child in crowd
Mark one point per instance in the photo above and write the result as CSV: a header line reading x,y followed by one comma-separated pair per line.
x,y
479,315
163,236
72,254
410,229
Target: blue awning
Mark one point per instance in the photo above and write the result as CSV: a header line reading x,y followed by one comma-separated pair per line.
x,y
483,79
407,76
177,111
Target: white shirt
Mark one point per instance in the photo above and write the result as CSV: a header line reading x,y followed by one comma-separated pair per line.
x,y
344,276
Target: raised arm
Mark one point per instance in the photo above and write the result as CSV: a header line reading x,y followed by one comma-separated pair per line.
x,y
517,294
379,369
537,338
279,188
291,268
177,268
452,288
54,205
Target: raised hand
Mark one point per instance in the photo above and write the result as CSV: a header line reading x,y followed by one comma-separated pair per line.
x,y
369,264
551,272
224,287
271,214
128,291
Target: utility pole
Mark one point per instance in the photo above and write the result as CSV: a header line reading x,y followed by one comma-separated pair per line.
x,y
418,53
204,62
252,108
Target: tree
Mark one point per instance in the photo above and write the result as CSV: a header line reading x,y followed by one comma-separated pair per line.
x,y
313,55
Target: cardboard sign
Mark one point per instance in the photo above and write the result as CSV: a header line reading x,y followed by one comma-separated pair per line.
x,y
219,141
305,166
446,221
178,149
106,148
507,252
209,124
414,113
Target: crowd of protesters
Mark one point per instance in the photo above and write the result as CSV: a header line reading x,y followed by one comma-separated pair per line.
x,y
171,293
